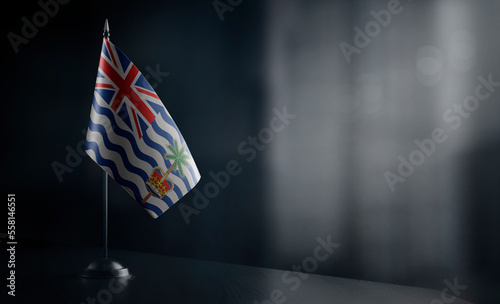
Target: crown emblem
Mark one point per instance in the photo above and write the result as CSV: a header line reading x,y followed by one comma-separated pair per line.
x,y
158,183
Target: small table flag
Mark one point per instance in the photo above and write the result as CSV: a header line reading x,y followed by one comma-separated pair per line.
x,y
134,139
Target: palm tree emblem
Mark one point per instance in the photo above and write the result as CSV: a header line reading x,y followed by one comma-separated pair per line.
x,y
179,158
157,184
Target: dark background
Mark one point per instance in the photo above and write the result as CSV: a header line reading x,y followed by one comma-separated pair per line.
x,y
323,175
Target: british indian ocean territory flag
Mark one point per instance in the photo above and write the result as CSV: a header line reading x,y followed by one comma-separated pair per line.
x,y
134,139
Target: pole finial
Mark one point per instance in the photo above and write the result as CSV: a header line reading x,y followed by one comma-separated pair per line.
x,y
106,29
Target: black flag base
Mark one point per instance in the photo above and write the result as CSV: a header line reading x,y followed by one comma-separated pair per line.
x,y
105,268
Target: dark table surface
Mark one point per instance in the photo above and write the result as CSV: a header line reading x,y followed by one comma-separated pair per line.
x,y
51,275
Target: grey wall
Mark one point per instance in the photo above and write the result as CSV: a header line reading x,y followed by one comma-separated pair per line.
x,y
322,175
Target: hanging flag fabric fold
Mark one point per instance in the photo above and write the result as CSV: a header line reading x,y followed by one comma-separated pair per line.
x,y
134,139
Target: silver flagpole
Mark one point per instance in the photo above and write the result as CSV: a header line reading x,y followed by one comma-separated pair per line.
x,y
104,267
105,213
105,179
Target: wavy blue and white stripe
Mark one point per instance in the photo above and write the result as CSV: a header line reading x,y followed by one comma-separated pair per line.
x,y
130,160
